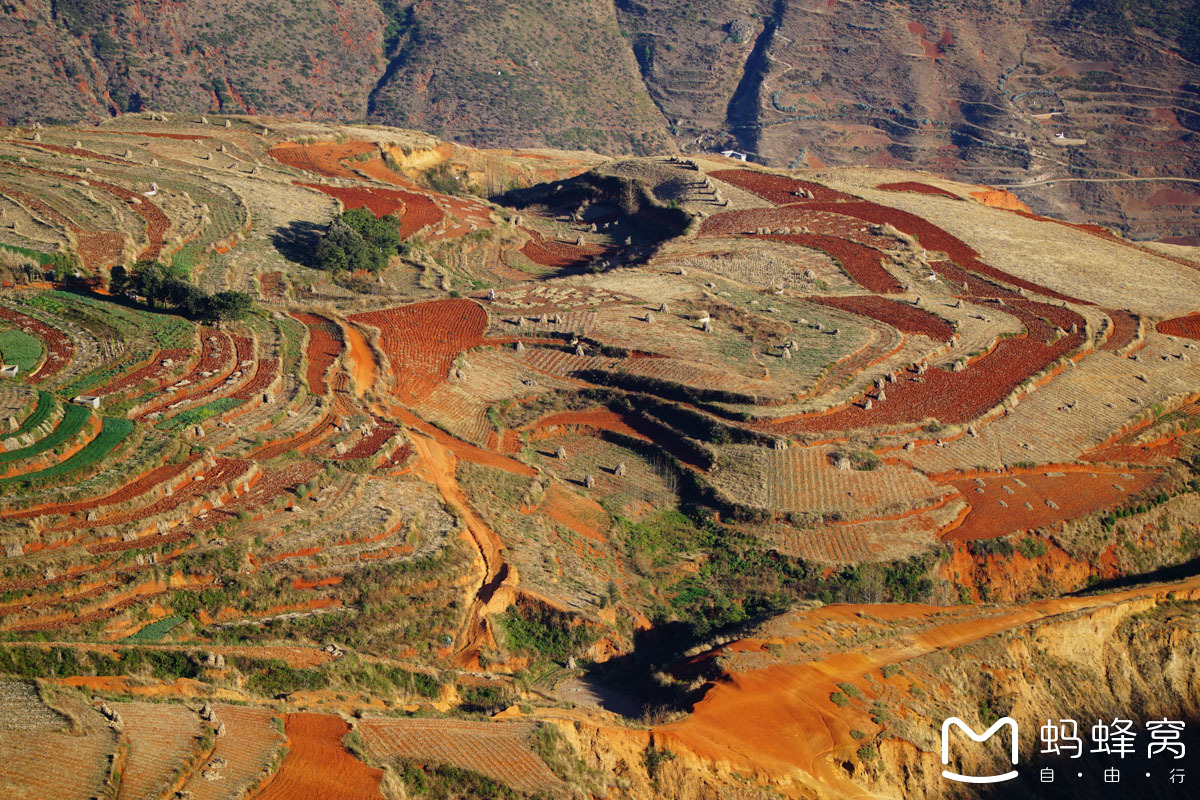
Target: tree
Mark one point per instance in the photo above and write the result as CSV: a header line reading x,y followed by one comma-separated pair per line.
x,y
166,286
357,240
231,305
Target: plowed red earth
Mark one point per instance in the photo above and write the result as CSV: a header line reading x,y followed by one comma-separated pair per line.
x,y
957,397
225,471
1124,328
99,248
422,340
903,317
1025,507
317,766
862,264
129,491
777,189
324,346
323,158
559,255
935,239
264,376
416,211
154,371
371,443
1188,327
914,186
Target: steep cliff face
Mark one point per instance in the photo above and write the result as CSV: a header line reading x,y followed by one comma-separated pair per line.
x,y
846,701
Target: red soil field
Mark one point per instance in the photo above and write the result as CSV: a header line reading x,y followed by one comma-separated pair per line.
x,y
559,255
919,188
1172,197
272,285
96,248
1187,327
1124,328
154,371
324,347
901,316
582,515
296,443
1076,493
217,351
264,375
999,198
956,397
38,206
225,471
74,151
318,766
156,221
59,347
323,158
371,443
416,211
305,583
1153,453
249,743
422,340
864,265
935,239
130,490
777,189
99,248
161,736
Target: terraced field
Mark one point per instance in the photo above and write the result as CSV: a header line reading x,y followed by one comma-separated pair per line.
x,y
661,393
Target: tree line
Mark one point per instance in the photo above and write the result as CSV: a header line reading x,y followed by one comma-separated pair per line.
x,y
162,286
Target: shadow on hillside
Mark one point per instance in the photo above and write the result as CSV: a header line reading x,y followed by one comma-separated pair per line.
x,y
1176,572
297,241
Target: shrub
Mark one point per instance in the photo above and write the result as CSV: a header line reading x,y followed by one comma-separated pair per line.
x,y
544,631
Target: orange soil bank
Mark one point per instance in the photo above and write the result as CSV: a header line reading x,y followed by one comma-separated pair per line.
x,y
318,767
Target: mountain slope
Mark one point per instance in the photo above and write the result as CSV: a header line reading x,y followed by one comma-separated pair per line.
x,y
1090,108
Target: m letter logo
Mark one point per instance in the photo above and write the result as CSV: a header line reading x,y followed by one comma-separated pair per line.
x,y
978,737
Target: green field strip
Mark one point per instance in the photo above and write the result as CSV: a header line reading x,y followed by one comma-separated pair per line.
x,y
155,630
72,423
196,415
41,412
112,433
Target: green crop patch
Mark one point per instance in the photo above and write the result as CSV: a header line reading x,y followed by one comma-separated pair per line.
x,y
18,347
41,412
195,415
112,433
74,418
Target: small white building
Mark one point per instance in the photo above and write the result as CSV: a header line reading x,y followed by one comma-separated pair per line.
x,y
734,154
89,400
9,370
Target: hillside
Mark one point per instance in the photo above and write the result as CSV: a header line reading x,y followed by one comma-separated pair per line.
x,y
387,466
977,92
